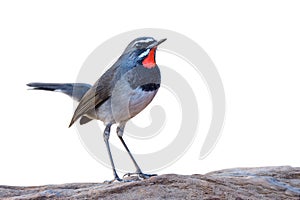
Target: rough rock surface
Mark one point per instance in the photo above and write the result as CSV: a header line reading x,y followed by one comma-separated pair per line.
x,y
240,183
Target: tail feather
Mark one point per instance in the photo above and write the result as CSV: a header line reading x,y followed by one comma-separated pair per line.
x,y
74,90
45,86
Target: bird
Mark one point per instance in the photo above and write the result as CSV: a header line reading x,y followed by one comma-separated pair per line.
x,y
122,92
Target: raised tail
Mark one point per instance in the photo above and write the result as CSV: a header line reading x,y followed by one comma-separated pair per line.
x,y
74,90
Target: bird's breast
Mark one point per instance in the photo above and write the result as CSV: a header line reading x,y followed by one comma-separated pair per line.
x,y
131,93
141,97
126,102
141,76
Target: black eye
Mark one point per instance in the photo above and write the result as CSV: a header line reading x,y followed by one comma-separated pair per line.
x,y
138,45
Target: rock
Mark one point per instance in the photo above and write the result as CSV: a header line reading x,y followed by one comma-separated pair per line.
x,y
237,184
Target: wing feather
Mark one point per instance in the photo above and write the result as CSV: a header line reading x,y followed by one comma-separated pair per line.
x,y
97,94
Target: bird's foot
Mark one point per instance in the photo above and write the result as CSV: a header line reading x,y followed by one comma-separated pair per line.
x,y
140,175
117,179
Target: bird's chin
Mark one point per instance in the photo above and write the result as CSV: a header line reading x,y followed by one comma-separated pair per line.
x,y
149,61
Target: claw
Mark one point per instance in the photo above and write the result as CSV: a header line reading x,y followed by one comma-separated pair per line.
x,y
146,176
139,174
117,179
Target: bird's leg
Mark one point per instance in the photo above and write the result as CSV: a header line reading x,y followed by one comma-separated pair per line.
x,y
138,172
106,135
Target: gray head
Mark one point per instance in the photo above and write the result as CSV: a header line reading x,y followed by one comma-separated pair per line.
x,y
142,51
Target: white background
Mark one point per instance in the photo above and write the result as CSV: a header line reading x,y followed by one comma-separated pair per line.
x,y
255,46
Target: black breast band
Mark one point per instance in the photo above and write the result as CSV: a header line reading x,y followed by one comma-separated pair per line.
x,y
150,87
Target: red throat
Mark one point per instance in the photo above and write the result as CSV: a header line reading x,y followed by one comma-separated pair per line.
x,y
149,61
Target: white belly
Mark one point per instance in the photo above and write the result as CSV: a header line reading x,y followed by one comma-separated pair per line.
x,y
139,100
122,107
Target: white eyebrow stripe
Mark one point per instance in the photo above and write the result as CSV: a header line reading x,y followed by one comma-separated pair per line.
x,y
144,53
144,41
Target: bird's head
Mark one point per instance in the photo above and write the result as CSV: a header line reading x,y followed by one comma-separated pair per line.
x,y
142,51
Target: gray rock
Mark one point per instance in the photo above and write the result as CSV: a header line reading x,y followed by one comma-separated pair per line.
x,y
240,183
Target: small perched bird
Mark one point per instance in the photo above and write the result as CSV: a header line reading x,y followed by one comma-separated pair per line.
x,y
123,91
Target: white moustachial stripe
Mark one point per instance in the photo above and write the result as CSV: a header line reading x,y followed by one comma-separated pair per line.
x,y
145,53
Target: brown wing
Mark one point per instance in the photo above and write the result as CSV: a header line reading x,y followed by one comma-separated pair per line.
x,y
96,95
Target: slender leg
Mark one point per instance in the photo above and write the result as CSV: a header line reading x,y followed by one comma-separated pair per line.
x,y
106,138
139,172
